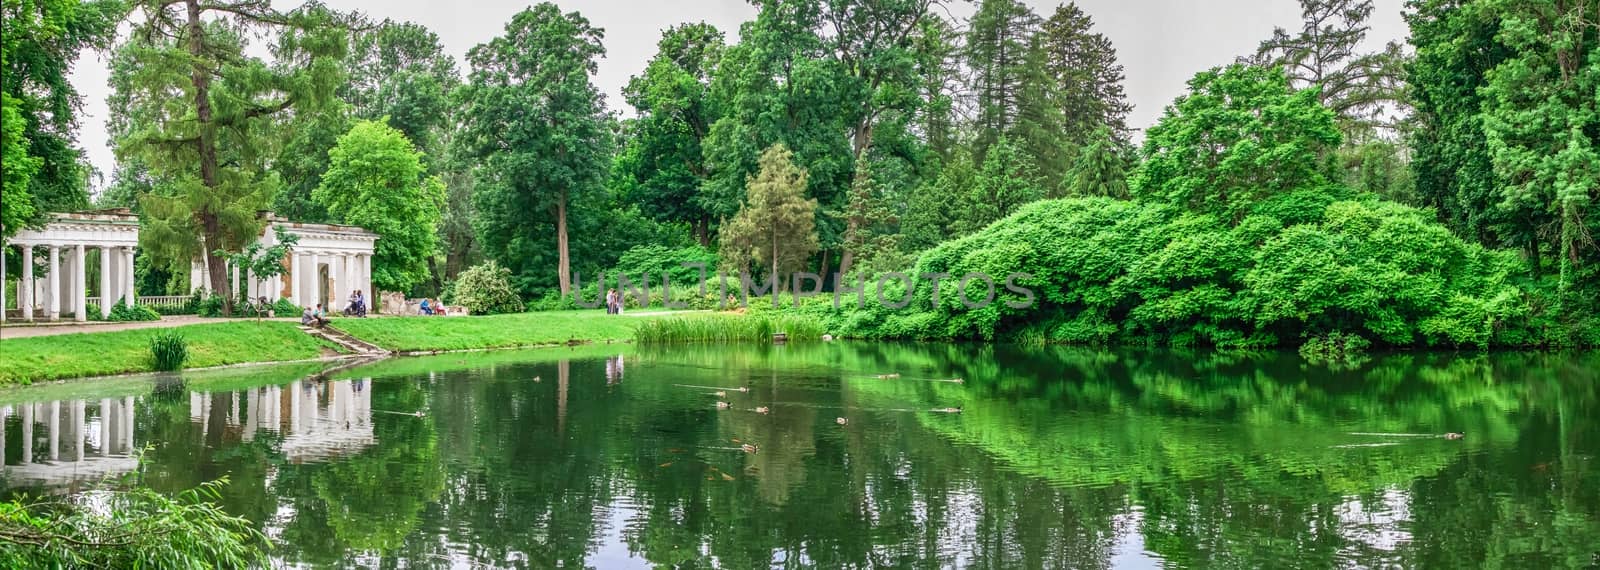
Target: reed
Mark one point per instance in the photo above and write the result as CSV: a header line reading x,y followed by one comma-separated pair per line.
x,y
726,328
168,350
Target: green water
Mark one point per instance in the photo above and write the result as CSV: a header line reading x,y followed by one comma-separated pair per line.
x,y
1060,458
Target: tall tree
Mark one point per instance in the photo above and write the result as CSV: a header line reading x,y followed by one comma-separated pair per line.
x,y
997,53
200,114
1087,80
42,167
376,180
1365,90
663,164
538,125
936,48
776,226
1239,137
1456,45
871,41
1541,116
400,70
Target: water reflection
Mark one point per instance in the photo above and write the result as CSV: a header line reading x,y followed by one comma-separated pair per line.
x,y
1061,458
64,443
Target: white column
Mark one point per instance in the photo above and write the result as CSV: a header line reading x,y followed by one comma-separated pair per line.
x,y
54,429
77,430
297,277
3,283
341,282
27,434
130,294
194,276
105,427
314,277
105,282
366,276
25,288
52,311
80,285
127,409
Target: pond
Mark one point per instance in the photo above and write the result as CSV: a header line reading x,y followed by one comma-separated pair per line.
x,y
618,457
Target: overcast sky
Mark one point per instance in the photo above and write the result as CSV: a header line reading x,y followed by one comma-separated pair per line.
x,y
1160,43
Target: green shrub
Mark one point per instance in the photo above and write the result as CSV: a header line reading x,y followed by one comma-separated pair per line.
x,y
486,290
121,312
168,350
1105,271
286,308
655,261
207,305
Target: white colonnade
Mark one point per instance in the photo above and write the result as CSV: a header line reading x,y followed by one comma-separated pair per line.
x,y
62,246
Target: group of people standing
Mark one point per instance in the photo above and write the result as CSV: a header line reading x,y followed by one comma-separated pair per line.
x,y
613,302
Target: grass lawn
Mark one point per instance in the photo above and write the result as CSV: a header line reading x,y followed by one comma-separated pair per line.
x,y
492,331
31,359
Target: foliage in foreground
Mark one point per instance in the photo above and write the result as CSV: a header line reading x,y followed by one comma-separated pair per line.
x,y
138,528
726,328
1108,271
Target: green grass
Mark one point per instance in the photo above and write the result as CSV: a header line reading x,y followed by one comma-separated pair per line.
x,y
493,331
727,328
33,359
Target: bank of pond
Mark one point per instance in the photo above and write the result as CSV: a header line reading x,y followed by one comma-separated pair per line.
x,y
847,454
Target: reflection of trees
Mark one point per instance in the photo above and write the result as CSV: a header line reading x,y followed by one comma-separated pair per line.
x,y
375,497
1061,457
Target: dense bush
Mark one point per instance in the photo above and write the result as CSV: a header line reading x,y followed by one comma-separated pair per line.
x,y
121,312
168,350
206,305
655,261
485,290
1108,271
286,308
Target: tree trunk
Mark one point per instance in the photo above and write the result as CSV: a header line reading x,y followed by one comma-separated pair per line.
x,y
564,267
702,231
845,260
206,148
777,281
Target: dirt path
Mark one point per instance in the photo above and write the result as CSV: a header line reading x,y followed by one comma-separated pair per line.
x,y
24,331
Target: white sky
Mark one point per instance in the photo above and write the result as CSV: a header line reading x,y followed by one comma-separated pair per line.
x,y
1160,43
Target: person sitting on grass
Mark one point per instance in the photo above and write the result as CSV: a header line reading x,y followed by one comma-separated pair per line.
x,y
320,315
306,317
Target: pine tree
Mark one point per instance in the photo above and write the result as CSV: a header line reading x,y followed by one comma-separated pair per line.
x,y
776,226
1099,169
1085,76
1006,182
869,221
997,54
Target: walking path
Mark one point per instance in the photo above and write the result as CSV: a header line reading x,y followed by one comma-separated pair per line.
x,y
23,331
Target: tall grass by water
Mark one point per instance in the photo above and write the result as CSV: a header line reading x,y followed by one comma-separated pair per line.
x,y
726,328
168,350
